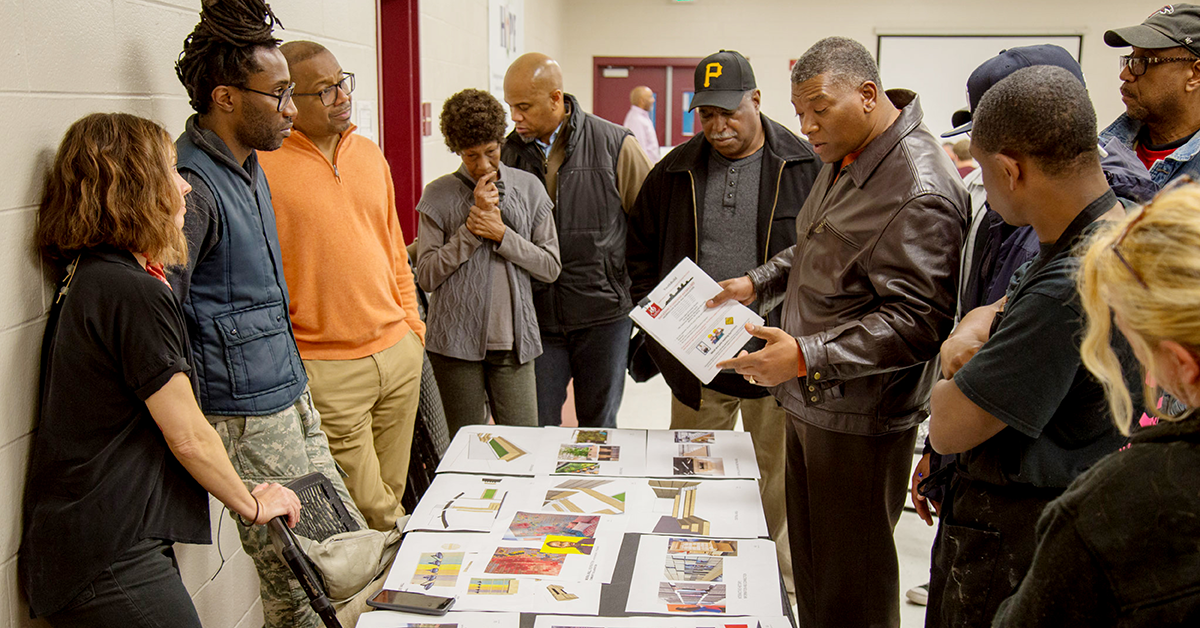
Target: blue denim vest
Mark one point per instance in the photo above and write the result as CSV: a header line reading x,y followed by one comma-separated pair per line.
x,y
1183,161
245,355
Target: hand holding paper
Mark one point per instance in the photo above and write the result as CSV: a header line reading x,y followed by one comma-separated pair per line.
x,y
772,365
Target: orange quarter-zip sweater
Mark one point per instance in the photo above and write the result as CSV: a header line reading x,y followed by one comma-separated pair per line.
x,y
351,288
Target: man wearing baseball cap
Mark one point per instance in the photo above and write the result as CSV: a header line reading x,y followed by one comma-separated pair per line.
x,y
728,197
1161,91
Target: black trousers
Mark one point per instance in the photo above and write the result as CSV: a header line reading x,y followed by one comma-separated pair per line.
x,y
141,589
986,536
845,494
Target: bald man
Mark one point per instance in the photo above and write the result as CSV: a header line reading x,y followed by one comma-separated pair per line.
x,y
638,120
593,170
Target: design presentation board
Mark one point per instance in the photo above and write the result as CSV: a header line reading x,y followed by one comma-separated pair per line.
x,y
592,451
700,453
446,564
392,619
467,503
699,576
499,449
660,622
553,546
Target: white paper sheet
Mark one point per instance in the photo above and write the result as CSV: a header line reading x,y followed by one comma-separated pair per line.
x,y
563,547
586,496
692,576
695,507
499,449
700,453
588,452
675,314
392,619
545,621
467,503
445,564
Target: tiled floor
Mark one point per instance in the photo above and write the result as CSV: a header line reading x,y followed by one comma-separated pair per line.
x,y
648,405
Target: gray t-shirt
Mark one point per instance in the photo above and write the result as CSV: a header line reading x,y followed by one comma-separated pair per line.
x,y
729,229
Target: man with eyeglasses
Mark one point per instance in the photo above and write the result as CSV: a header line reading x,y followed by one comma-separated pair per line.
x,y
1159,88
251,381
354,303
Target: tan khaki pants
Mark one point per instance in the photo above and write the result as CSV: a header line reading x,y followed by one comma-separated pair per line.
x,y
368,408
767,424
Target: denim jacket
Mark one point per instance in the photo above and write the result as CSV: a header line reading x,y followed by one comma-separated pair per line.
x,y
1182,161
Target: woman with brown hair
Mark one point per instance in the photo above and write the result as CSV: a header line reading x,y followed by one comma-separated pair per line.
x,y
485,231
122,456
1119,547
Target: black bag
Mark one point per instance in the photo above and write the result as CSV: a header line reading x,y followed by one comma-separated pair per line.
x,y
640,365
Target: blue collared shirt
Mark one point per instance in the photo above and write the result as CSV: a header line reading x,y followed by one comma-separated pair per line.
x,y
1183,161
545,146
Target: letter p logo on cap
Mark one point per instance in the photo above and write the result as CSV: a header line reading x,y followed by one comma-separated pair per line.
x,y
711,71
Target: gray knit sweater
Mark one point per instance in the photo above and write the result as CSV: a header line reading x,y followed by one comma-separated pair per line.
x,y
455,266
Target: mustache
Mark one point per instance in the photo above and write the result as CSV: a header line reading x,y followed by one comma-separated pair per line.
x,y
727,135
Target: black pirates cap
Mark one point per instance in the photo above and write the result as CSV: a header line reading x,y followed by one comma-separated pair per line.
x,y
721,80
1171,26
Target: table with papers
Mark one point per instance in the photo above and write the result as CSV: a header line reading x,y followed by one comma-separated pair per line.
x,y
587,527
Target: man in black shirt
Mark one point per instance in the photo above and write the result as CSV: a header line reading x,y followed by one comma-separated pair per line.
x,y
1018,404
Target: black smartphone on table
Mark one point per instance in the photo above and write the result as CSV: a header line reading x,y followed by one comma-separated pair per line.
x,y
409,602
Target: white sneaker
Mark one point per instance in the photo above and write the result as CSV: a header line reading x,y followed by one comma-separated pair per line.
x,y
919,594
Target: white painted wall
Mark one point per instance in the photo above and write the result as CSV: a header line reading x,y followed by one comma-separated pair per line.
x,y
454,56
770,32
60,60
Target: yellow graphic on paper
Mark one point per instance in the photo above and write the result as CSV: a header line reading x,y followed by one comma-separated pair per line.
x,y
728,320
712,71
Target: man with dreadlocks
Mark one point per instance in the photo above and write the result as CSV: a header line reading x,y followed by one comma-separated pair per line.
x,y
252,383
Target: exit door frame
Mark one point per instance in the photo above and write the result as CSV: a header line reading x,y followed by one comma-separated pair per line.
x,y
599,63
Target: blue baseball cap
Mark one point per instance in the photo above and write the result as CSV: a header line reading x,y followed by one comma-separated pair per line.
x,y
1004,64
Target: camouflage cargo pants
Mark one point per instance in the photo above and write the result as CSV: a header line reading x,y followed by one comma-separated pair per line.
x,y
280,447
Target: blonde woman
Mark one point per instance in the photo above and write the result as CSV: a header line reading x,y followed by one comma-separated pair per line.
x,y
1121,547
122,457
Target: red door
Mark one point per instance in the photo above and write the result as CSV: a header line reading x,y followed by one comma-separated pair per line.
x,y
669,77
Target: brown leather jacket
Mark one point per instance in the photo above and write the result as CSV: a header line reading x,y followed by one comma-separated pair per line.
x,y
869,287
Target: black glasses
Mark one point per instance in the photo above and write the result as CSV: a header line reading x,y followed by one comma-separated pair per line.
x,y
284,99
1138,65
329,94
1176,183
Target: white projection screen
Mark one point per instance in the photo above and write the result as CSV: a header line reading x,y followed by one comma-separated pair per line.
x,y
937,66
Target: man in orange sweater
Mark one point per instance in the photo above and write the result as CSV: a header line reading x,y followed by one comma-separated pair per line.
x,y
353,301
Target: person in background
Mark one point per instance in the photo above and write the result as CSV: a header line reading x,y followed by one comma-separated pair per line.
x,y
728,197
252,383
1159,86
592,170
865,307
122,456
1118,548
485,230
1019,445
353,301
638,120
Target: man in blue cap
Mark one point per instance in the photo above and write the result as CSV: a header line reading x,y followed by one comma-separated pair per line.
x,y
1160,86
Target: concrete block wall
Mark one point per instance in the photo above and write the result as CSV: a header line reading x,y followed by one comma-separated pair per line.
x,y
60,60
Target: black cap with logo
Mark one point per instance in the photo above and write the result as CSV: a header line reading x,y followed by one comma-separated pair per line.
x,y
1169,27
721,80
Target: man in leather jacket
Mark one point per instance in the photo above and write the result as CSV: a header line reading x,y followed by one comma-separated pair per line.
x,y
868,296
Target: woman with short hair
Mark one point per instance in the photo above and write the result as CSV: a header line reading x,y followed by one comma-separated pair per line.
x,y
485,230
122,456
1121,547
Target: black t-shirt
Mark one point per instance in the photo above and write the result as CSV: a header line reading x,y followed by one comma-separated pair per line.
x,y
1030,376
101,476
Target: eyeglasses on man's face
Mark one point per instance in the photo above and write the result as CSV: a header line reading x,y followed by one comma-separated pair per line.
x,y
328,95
1138,65
284,98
